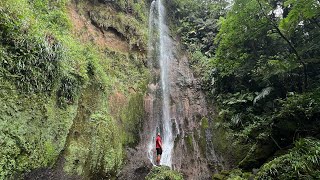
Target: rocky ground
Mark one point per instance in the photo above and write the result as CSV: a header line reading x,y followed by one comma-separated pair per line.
x,y
136,167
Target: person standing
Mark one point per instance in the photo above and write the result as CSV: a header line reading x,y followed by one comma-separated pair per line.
x,y
159,149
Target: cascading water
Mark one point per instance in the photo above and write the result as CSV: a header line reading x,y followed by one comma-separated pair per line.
x,y
159,54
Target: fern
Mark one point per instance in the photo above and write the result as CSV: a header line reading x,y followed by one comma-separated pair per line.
x,y
301,161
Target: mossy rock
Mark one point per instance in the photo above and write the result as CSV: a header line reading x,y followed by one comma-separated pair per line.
x,y
257,155
224,143
163,173
33,132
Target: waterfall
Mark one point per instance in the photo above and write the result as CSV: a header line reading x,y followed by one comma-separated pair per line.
x,y
159,55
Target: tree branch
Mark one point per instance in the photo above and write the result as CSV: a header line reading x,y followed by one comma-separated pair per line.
x,y
289,44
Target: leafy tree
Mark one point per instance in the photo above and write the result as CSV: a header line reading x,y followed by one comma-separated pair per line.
x,y
260,61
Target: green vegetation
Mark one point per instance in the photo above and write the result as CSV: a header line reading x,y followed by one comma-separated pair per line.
x,y
163,173
302,162
235,174
259,61
55,90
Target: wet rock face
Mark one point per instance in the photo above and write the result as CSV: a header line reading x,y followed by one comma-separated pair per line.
x,y
188,108
193,152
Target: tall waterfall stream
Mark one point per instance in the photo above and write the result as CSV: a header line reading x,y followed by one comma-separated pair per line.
x,y
159,54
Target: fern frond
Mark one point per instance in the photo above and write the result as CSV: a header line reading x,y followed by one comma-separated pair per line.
x,y
265,92
236,119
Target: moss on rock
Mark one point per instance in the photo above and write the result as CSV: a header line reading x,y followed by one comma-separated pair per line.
x,y
203,140
189,142
98,149
228,145
54,92
122,23
32,131
132,116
